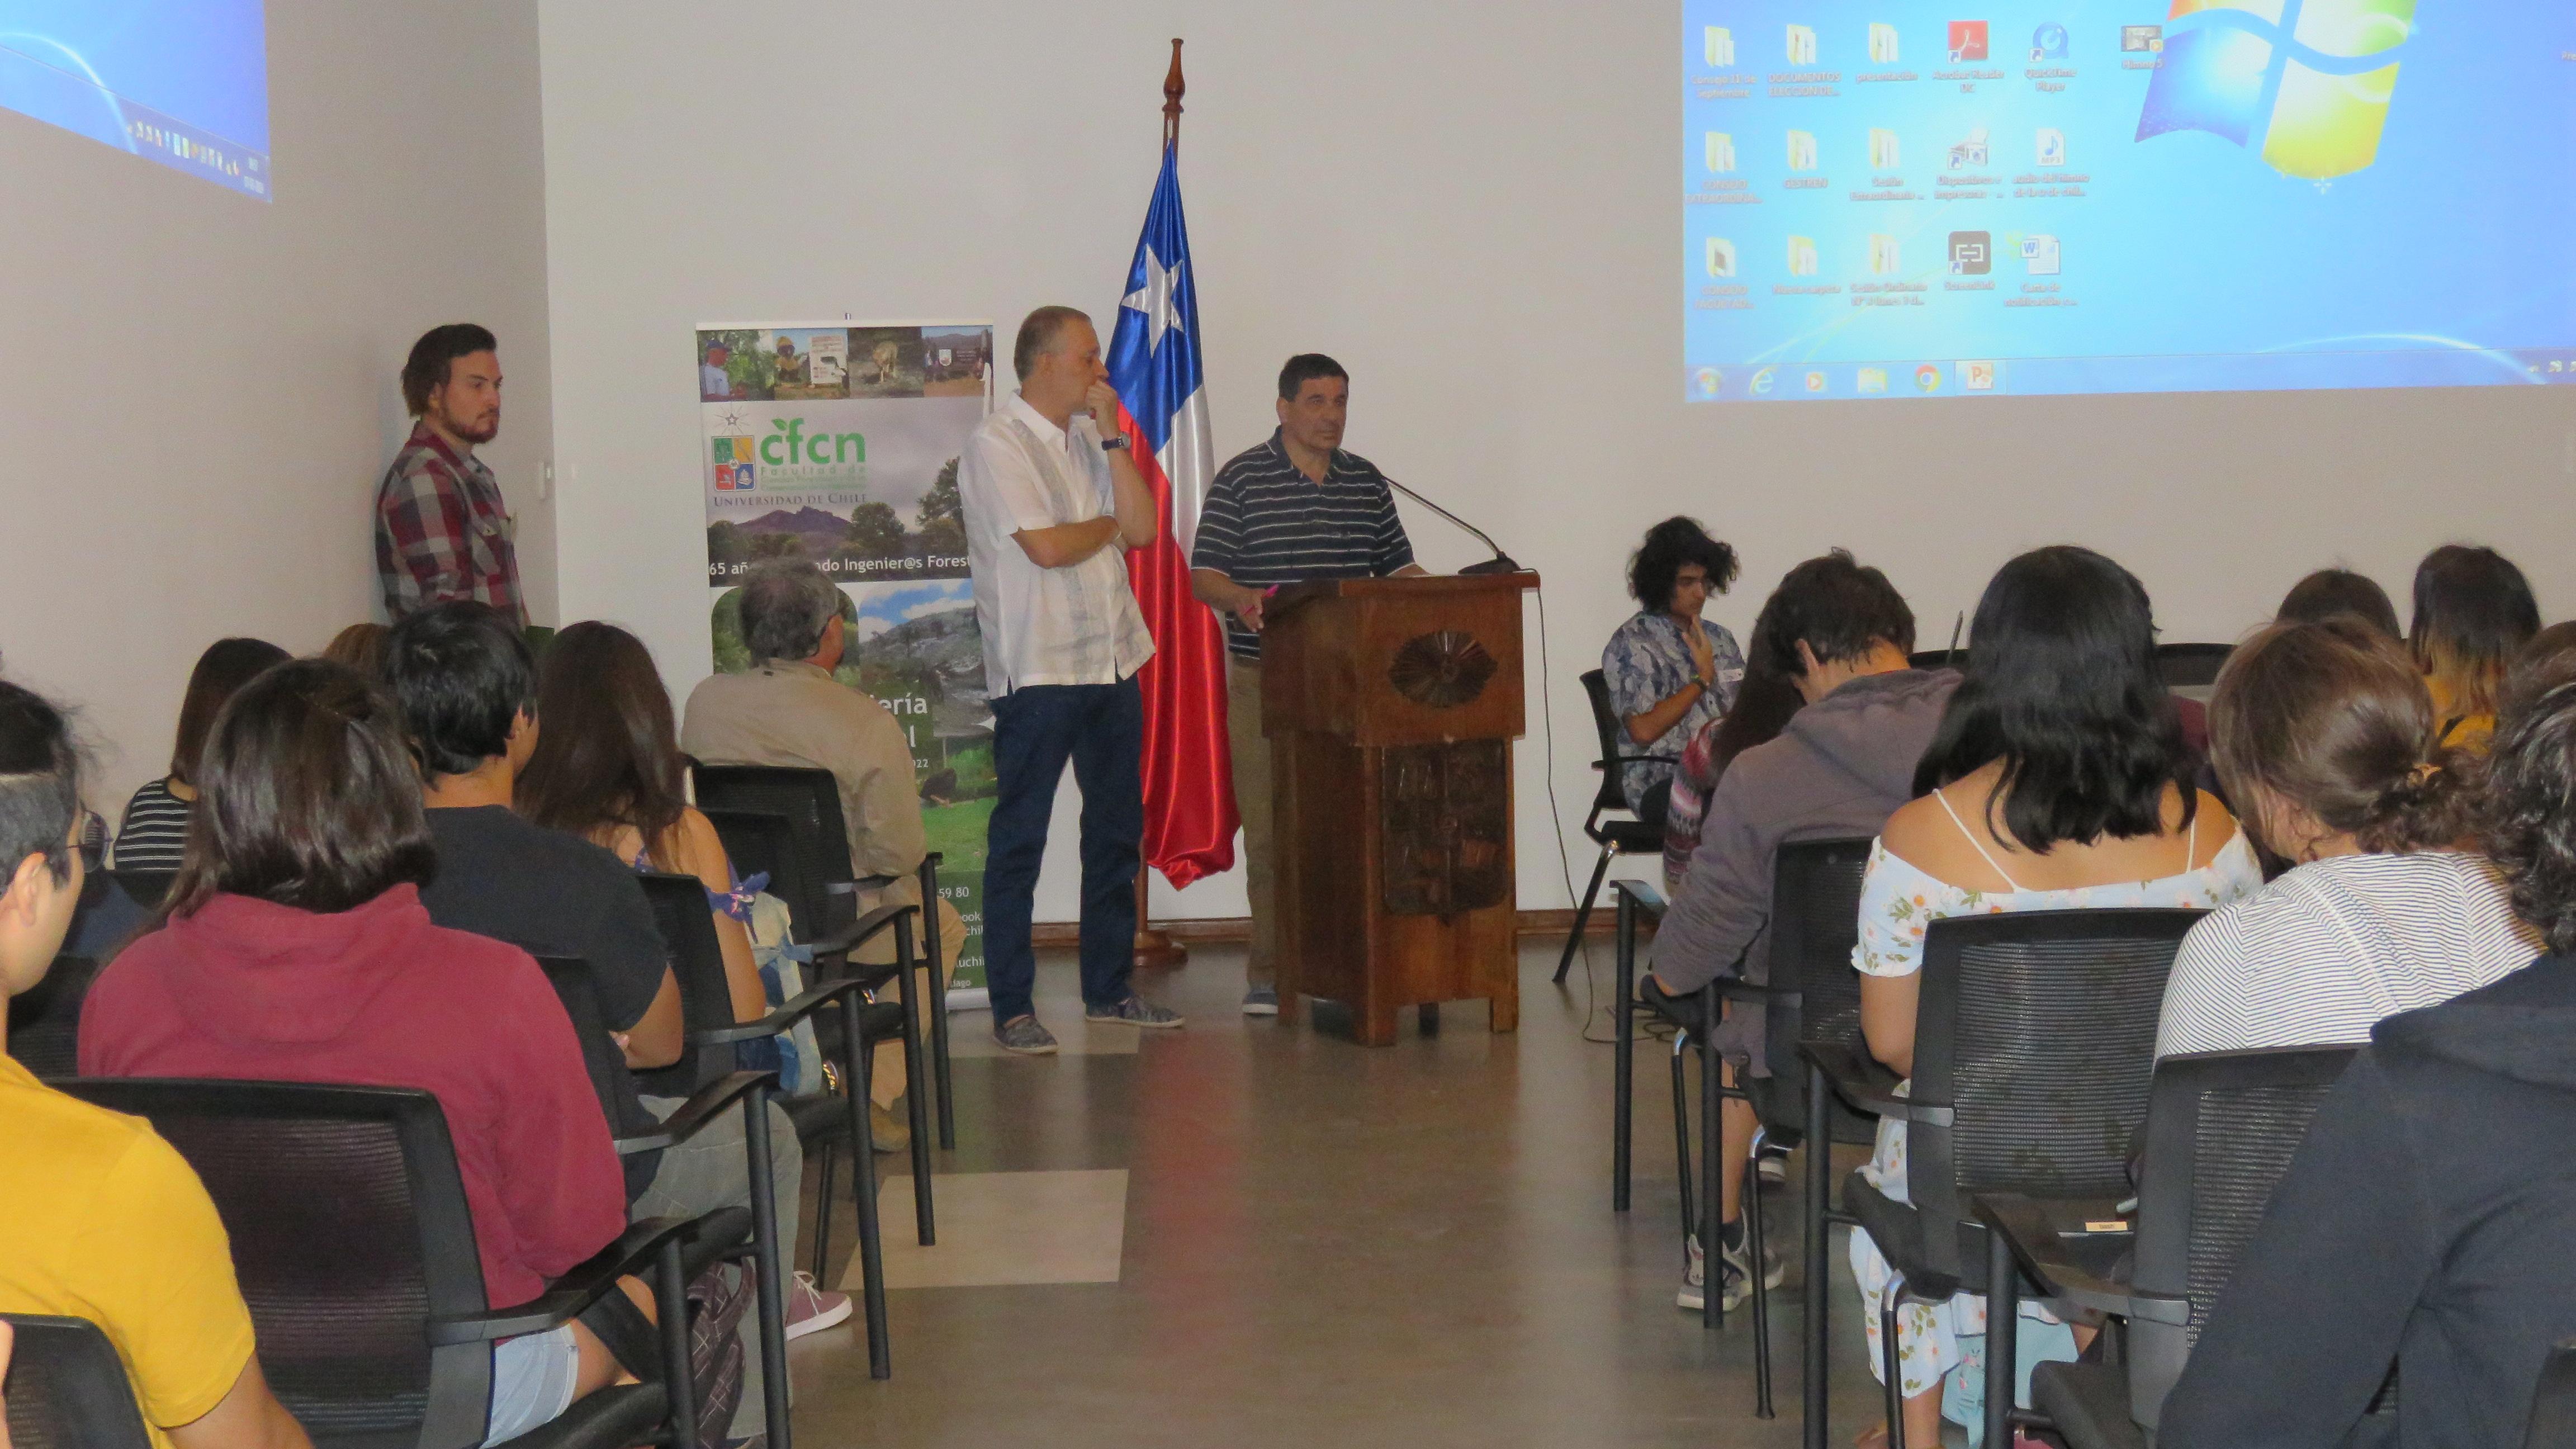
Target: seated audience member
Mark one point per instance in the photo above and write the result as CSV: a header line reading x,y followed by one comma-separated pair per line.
x,y
361,646
2429,1218
787,709
1839,634
1668,673
466,684
607,768
99,1219
1764,704
2329,593
2057,780
294,949
2324,737
156,819
2549,659
2473,613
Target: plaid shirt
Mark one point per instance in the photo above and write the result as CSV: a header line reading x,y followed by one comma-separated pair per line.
x,y
443,531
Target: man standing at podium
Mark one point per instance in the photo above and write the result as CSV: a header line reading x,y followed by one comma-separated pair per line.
x,y
1289,510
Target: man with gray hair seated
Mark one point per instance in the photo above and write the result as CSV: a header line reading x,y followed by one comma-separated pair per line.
x,y
787,709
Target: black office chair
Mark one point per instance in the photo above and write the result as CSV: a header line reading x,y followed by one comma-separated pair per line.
x,y
2221,1130
67,1389
44,1024
2034,1043
147,887
2553,1407
2191,666
1624,834
1937,659
697,961
355,1252
824,900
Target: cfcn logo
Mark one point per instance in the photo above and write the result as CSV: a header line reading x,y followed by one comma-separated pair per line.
x,y
2309,80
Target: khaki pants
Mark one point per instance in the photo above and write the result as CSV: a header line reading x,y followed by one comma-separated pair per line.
x,y
1252,801
886,1081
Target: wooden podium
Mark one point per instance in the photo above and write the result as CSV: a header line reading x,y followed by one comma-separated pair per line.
x,y
1391,705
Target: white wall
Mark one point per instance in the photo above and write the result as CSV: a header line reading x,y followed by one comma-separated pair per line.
x,y
1474,208
198,390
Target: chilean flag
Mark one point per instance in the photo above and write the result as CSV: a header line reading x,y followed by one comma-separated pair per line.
x,y
1190,819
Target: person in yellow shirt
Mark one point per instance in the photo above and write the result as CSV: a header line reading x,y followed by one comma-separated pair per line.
x,y
2473,612
99,1218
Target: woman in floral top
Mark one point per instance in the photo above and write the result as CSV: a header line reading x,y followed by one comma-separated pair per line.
x,y
2058,781
1670,675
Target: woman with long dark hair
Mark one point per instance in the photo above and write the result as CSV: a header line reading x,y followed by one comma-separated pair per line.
x,y
1669,674
2058,779
155,828
2473,613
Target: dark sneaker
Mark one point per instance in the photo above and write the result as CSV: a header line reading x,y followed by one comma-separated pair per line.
x,y
1261,1001
1023,1035
1134,1011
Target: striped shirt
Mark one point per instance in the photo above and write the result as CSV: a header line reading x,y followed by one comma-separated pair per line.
x,y
2320,956
1265,523
155,829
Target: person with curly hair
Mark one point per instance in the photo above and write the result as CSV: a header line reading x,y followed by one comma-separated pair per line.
x,y
1670,674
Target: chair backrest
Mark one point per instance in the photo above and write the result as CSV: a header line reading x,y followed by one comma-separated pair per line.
x,y
1613,794
2221,1130
349,1231
2553,1407
697,963
1937,659
1815,922
764,841
44,1024
2038,1030
2191,666
67,1389
147,887
809,798
601,1061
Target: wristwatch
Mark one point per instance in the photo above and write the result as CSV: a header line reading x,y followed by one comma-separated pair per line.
x,y
1111,445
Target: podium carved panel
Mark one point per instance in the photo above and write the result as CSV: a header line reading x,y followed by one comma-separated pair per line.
x,y
1446,822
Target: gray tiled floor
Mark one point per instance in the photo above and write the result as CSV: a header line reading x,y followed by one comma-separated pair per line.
x,y
1325,1244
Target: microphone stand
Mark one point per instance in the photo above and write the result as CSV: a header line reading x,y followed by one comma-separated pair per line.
x,y
1500,563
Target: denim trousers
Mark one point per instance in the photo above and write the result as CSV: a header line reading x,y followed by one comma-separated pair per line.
x,y
1037,730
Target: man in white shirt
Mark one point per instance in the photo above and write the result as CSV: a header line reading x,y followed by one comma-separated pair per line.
x,y
1052,499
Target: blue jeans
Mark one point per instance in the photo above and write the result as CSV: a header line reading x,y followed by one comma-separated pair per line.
x,y
1036,729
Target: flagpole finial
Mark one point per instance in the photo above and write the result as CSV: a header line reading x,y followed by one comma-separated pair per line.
x,y
1173,89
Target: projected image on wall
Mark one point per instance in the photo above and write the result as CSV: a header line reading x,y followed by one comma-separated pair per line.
x,y
1902,200
182,82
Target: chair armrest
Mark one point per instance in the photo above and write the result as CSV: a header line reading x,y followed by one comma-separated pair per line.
x,y
1598,765
2090,1271
781,1018
1867,1084
1648,899
632,1253
699,1112
934,858
850,937
1755,994
863,883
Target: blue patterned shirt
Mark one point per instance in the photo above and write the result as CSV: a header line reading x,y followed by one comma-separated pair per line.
x,y
1647,662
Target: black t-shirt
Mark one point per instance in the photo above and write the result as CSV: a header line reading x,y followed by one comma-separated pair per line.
x,y
556,895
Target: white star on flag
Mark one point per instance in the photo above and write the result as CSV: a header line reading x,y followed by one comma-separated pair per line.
x,y
1155,299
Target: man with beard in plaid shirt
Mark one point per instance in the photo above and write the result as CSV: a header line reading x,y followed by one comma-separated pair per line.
x,y
443,531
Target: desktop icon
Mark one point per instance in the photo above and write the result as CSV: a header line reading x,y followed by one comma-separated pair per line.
x,y
1802,45
1882,43
1815,382
2142,39
1802,256
2040,251
1802,151
1967,40
1721,257
1972,253
1720,43
1762,383
1708,380
1883,150
1884,255
2052,147
2048,43
1873,379
1970,153
1928,378
1721,151
1977,376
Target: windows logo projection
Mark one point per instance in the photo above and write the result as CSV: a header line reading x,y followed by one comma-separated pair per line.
x,y
2079,196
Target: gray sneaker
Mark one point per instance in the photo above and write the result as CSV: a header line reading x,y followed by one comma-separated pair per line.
x,y
1023,1035
1134,1011
1261,1001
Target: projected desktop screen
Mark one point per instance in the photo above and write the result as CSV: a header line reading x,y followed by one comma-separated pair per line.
x,y
181,82
1897,200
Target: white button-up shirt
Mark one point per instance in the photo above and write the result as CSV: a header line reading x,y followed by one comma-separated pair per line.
x,y
1077,625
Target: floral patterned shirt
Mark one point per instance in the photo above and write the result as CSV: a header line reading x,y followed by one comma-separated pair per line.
x,y
1647,662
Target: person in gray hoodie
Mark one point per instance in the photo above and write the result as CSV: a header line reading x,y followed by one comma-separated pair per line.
x,y
2430,1216
1843,764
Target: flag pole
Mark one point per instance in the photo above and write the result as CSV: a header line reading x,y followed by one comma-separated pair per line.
x,y
1156,947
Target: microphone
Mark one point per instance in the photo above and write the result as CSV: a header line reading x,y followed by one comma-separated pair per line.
x,y
1500,563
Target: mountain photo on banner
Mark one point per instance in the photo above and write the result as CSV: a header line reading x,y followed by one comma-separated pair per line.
x,y
838,446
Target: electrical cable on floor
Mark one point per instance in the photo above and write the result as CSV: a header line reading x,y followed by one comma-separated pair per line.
x,y
1556,816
